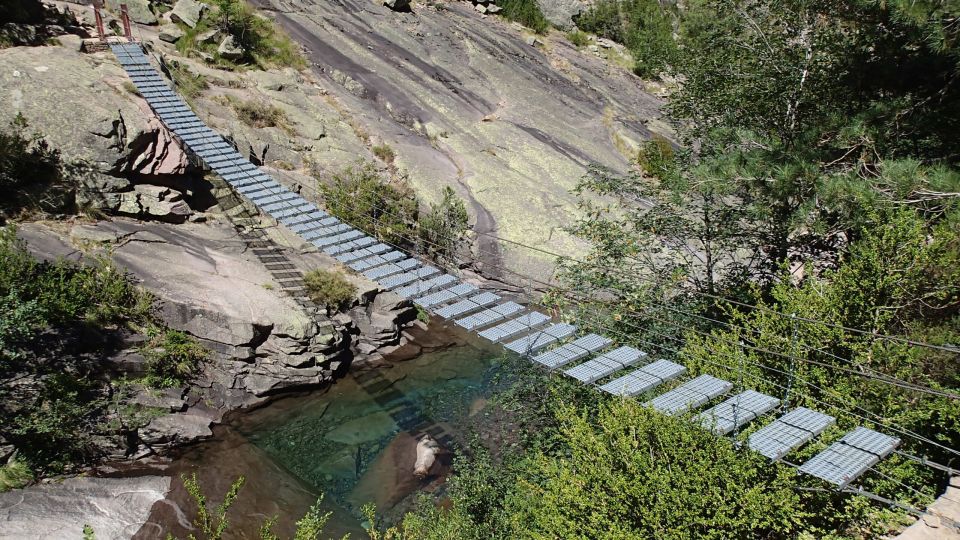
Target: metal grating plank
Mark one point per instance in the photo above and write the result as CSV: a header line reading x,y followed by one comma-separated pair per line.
x,y
845,460
399,280
644,379
737,411
391,269
372,260
420,288
489,316
789,432
359,243
346,236
296,221
328,231
690,395
541,339
573,351
302,208
446,295
524,323
605,364
467,305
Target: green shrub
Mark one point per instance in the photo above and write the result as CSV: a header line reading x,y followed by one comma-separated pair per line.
x,y
329,288
441,230
14,474
53,427
578,38
173,357
657,158
643,26
525,12
384,152
262,42
384,209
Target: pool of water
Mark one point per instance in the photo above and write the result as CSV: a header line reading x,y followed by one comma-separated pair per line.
x,y
354,443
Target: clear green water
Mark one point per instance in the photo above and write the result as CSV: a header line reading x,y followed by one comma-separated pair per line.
x,y
354,443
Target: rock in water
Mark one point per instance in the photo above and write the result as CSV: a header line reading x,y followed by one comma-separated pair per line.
x,y
228,49
397,5
427,450
187,12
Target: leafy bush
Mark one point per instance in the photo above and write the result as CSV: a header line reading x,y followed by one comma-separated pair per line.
x,y
173,357
525,12
643,26
657,158
329,288
360,197
14,474
53,427
441,230
31,172
390,211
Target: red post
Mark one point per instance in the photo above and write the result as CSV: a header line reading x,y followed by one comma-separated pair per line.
x,y
99,18
126,22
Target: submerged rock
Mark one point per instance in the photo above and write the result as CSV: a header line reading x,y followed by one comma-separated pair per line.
x,y
427,450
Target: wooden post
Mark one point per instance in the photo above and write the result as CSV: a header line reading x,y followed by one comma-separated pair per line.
x,y
126,22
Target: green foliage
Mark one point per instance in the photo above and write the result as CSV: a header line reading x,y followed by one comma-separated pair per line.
x,y
442,229
658,159
384,153
386,210
329,288
643,26
14,474
173,357
578,38
311,525
390,211
646,475
88,533
31,172
525,12
53,430
263,44
211,524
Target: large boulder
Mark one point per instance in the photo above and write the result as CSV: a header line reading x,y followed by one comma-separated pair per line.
x,y
113,507
229,50
138,10
560,13
187,12
94,121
